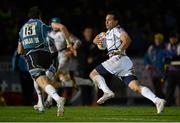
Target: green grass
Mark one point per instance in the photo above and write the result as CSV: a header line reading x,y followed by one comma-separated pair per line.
x,y
90,114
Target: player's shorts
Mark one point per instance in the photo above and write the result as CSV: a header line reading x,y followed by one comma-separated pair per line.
x,y
38,62
63,61
120,66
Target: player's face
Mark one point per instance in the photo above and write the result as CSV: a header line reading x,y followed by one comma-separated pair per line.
x,y
110,22
157,41
55,29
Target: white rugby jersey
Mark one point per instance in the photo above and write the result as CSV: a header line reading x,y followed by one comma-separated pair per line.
x,y
59,39
112,39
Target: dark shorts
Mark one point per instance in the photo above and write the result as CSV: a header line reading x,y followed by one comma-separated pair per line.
x,y
125,79
38,62
101,70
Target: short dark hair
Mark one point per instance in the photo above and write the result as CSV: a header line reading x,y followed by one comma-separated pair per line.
x,y
115,13
34,12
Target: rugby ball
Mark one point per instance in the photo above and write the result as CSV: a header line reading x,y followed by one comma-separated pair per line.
x,y
102,36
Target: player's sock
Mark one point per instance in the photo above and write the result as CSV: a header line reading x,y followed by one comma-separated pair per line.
x,y
39,94
146,92
101,83
52,92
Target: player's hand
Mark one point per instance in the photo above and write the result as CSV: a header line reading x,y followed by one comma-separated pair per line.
x,y
71,53
97,41
72,50
99,38
69,46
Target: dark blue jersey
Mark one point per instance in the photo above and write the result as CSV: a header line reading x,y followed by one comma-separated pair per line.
x,y
34,36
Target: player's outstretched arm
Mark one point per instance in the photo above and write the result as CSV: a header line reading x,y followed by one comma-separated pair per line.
x,y
64,30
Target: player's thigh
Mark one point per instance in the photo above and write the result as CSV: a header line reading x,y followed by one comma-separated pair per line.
x,y
62,61
40,59
38,62
126,67
119,66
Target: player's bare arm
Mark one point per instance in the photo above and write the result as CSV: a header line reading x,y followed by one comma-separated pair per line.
x,y
125,42
64,30
20,48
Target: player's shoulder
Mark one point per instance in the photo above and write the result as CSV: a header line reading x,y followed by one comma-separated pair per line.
x,y
38,22
119,29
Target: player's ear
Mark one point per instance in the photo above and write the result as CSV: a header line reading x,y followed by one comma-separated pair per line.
x,y
116,22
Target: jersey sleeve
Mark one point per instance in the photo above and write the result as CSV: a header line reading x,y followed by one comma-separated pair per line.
x,y
118,32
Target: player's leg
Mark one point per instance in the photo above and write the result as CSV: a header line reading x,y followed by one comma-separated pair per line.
x,y
67,83
63,75
50,73
127,74
146,92
64,68
37,70
39,106
49,101
99,81
65,78
43,82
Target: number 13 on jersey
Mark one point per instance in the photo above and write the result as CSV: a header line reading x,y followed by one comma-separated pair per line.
x,y
29,30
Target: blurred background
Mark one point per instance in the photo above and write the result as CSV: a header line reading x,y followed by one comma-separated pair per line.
x,y
153,26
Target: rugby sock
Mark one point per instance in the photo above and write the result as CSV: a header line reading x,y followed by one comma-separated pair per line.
x,y
39,94
146,92
50,75
101,83
52,92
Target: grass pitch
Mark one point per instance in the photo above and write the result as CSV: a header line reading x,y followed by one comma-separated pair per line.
x,y
90,114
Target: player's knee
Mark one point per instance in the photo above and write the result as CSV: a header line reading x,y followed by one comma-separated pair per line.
x,y
136,89
42,81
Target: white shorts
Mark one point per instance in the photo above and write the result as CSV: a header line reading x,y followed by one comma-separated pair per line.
x,y
119,66
63,61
